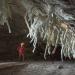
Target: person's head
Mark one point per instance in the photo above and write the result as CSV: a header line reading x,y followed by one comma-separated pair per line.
x,y
22,44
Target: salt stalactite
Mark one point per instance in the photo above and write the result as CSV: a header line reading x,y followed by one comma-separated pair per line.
x,y
48,33
61,39
57,38
33,31
8,26
4,13
45,51
68,43
73,44
4,20
50,29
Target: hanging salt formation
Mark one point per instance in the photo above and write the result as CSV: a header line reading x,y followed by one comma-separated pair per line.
x,y
52,28
4,13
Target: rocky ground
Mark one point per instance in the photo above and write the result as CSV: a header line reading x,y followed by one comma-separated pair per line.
x,y
41,68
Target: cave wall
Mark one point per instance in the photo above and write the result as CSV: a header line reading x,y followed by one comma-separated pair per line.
x,y
9,41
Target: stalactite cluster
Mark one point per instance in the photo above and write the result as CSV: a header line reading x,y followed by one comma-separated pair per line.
x,y
52,27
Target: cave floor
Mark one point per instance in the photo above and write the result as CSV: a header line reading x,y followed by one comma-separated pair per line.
x,y
38,68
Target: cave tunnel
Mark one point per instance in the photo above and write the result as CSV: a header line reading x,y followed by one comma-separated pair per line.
x,y
44,26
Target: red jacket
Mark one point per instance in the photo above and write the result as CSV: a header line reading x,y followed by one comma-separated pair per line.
x,y
21,50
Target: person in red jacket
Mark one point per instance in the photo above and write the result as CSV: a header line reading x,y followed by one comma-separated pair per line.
x,y
21,50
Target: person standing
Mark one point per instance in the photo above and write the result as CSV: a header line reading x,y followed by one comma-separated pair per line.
x,y
21,51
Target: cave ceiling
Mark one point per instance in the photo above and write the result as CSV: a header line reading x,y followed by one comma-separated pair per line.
x,y
64,9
